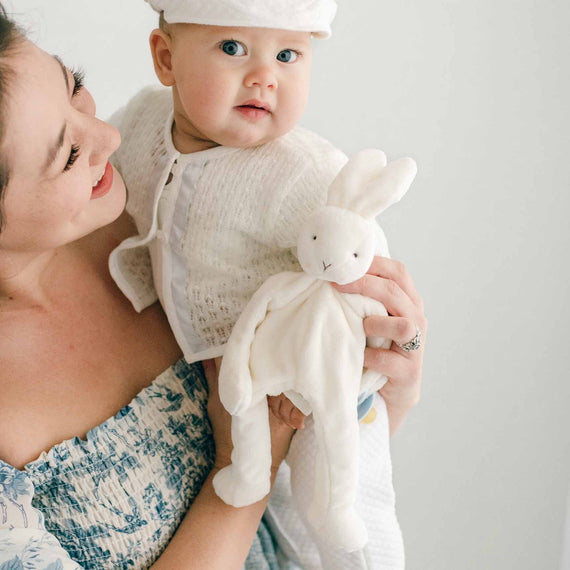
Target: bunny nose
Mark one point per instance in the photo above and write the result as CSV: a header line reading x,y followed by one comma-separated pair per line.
x,y
325,266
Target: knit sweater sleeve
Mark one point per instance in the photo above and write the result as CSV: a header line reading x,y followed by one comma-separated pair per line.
x,y
306,189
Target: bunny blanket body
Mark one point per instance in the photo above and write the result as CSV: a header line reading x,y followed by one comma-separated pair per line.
x,y
300,336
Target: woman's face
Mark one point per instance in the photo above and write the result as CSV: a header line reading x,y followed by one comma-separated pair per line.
x,y
61,186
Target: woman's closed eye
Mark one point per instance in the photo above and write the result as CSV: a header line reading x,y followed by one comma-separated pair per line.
x,y
73,156
233,47
78,78
74,153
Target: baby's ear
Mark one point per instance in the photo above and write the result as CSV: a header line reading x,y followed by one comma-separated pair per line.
x,y
161,50
367,185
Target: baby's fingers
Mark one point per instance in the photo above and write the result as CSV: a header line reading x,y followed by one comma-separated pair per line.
x,y
284,410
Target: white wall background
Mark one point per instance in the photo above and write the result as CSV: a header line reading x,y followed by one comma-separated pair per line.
x,y
477,92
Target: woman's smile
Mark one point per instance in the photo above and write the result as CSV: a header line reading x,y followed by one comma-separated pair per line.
x,y
103,185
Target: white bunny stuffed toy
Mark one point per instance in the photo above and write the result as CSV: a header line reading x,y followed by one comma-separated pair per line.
x,y
300,336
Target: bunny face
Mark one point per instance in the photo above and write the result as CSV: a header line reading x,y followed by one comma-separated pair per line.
x,y
336,245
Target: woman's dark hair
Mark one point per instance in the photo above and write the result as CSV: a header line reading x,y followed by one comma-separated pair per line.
x,y
10,34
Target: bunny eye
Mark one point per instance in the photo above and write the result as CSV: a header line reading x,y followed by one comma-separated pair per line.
x,y
314,238
355,254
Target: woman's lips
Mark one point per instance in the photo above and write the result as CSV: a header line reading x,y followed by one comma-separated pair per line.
x,y
104,185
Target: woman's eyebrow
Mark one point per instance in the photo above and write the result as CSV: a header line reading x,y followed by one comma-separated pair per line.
x,y
53,151
64,71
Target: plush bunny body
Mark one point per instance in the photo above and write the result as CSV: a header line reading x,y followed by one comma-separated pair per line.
x,y
311,322
300,336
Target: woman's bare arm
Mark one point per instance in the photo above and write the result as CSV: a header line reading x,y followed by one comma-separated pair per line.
x,y
213,535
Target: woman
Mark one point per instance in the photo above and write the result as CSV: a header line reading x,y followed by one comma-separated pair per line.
x,y
97,410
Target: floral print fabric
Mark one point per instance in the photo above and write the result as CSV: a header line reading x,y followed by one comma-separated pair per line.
x,y
115,499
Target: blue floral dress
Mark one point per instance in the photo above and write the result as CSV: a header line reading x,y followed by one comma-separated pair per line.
x,y
115,499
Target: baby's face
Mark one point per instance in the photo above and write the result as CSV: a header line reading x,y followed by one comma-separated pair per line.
x,y
238,87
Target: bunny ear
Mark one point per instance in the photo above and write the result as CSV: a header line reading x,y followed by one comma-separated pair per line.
x,y
367,185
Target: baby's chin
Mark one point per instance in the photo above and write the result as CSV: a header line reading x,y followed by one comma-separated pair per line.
x,y
243,142
244,139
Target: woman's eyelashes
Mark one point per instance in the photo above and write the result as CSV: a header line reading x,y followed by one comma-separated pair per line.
x,y
78,79
73,156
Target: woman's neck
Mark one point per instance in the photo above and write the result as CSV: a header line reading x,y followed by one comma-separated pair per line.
x,y
25,278
39,280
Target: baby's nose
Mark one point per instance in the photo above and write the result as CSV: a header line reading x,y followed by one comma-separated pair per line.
x,y
261,76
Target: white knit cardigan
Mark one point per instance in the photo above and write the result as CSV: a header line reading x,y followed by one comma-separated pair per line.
x,y
227,221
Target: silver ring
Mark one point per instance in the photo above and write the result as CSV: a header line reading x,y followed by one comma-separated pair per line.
x,y
413,344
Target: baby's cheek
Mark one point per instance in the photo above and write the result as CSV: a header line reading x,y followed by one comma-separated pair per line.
x,y
211,105
289,115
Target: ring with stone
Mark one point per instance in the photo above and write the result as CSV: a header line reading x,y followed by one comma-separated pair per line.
x,y
413,344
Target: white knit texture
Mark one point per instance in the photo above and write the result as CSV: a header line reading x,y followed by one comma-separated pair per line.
x,y
243,214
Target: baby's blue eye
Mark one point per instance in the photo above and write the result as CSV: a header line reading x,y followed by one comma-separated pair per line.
x,y
287,56
232,47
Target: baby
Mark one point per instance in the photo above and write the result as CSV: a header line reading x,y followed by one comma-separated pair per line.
x,y
218,173
220,176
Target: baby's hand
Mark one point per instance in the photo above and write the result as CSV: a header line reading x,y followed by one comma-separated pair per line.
x,y
284,410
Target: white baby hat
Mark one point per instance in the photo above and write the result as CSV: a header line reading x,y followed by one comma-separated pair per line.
x,y
313,16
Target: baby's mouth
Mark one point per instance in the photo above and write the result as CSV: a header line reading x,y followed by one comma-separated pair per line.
x,y
256,105
254,113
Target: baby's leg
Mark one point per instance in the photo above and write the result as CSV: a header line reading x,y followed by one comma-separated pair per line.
x,y
248,478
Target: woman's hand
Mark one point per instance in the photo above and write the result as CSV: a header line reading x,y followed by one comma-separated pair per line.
x,y
389,282
281,432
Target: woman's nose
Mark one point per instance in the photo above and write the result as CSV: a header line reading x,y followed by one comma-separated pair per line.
x,y
106,140
261,75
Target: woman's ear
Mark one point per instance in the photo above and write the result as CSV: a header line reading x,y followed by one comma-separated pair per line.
x,y
161,50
